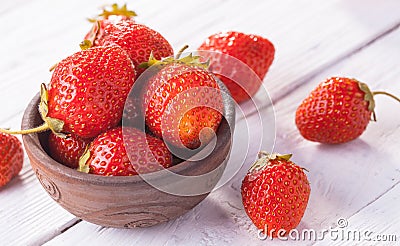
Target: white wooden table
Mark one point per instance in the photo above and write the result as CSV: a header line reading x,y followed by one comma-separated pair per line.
x,y
358,181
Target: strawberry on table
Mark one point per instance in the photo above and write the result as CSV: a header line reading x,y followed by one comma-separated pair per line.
x,y
125,152
253,50
67,150
183,103
338,110
11,158
275,193
138,40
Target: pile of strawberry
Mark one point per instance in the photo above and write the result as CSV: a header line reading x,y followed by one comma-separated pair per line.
x,y
179,104
109,116
89,94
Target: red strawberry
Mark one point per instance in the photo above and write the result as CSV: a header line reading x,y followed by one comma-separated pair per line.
x,y
138,40
337,111
109,17
87,91
11,157
255,51
181,101
275,193
125,152
67,150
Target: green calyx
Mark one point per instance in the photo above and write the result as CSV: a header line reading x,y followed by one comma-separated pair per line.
x,y
115,10
86,44
369,97
55,125
190,60
264,158
83,165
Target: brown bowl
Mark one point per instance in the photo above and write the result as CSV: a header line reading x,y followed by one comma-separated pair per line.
x,y
124,201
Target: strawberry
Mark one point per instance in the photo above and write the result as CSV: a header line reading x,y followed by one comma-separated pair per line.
x,y
138,40
125,152
275,193
11,157
109,17
337,111
255,51
87,92
181,101
67,150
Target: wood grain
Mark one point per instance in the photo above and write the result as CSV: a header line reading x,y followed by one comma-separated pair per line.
x,y
378,228
345,179
309,37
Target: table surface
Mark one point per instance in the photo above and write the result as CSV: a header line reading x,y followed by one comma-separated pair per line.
x,y
357,181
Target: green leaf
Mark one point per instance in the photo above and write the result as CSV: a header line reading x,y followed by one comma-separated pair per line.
x,y
369,97
264,159
83,165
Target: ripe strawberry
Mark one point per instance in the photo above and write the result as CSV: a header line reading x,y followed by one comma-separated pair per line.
x,y
109,17
88,89
181,101
138,40
275,193
11,157
125,152
67,150
255,51
337,111
87,93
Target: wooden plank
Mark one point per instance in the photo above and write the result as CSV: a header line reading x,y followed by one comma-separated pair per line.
x,y
377,229
344,178
32,45
347,177
29,215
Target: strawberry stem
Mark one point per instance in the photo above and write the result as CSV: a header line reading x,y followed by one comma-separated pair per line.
x,y
53,124
190,60
387,94
38,129
178,55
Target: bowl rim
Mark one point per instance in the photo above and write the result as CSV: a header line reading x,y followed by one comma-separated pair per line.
x,y
34,147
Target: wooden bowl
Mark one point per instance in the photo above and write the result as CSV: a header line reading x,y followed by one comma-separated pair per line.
x,y
123,202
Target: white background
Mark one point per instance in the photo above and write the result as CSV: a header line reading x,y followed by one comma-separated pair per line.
x,y
314,40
